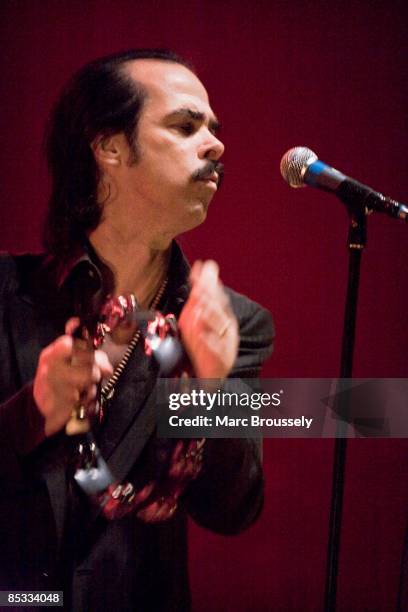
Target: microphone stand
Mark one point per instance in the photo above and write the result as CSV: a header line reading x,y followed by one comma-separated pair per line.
x,y
356,243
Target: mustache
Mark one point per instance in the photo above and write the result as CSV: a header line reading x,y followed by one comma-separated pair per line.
x,y
210,167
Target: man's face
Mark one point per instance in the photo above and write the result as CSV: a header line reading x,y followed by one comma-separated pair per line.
x,y
173,181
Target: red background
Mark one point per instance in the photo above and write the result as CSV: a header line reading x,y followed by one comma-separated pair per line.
x,y
331,76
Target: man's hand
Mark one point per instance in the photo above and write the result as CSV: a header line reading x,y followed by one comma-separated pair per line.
x,y
64,375
208,326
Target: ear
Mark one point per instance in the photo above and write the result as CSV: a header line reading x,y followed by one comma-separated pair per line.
x,y
108,150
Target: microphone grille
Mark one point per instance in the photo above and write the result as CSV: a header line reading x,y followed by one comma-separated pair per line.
x,y
294,163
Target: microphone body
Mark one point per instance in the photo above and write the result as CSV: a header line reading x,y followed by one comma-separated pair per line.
x,y
300,167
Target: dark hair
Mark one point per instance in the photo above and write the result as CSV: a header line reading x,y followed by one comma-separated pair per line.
x,y
101,98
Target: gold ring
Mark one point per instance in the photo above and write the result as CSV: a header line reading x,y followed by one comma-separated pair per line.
x,y
224,328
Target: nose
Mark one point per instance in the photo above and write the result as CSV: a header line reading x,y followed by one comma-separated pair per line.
x,y
211,148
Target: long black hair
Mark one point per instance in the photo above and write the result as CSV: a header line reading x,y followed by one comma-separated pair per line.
x,y
100,99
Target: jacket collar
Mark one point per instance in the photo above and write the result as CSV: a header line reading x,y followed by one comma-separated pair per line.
x,y
84,264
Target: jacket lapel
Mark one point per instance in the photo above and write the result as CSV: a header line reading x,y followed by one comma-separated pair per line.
x,y
130,395
131,417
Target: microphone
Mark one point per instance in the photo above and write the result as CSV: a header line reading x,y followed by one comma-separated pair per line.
x,y
300,166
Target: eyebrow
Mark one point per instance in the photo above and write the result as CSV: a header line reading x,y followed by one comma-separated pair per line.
x,y
189,113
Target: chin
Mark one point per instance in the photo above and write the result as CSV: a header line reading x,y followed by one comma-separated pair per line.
x,y
197,214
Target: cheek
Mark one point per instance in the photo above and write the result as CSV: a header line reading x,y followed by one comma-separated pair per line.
x,y
168,156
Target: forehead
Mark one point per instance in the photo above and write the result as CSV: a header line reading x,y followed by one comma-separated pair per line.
x,y
169,86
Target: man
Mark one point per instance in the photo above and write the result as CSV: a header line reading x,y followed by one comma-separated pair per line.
x,y
134,157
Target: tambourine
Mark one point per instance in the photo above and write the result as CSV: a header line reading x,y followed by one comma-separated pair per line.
x,y
180,460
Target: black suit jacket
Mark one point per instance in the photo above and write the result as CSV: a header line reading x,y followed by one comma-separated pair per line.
x,y
50,539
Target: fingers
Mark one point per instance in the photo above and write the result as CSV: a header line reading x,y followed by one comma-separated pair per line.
x,y
204,277
205,273
208,302
87,365
208,275
61,349
80,377
208,325
71,325
206,287
68,372
209,320
91,393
